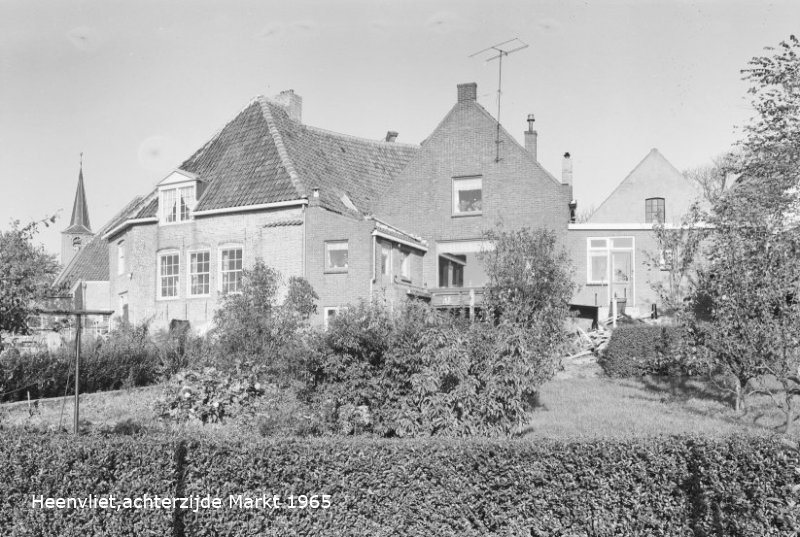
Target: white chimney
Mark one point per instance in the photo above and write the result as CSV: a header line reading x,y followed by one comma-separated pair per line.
x,y
292,103
566,170
531,137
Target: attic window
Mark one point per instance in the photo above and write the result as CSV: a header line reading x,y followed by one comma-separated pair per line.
x,y
177,204
467,195
654,210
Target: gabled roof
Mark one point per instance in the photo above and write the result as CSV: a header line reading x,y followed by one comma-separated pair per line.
x,y
79,223
91,261
653,177
262,156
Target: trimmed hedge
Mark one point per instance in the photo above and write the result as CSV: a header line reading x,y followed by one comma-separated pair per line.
x,y
442,487
641,349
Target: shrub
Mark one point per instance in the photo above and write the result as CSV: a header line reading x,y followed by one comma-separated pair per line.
x,y
641,349
207,395
127,358
444,487
414,372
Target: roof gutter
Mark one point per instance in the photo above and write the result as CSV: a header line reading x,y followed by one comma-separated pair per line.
x,y
131,222
259,207
392,238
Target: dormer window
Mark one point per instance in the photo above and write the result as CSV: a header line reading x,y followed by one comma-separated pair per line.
x,y
177,204
177,197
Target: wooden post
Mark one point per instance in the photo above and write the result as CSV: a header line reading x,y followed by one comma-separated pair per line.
x,y
77,372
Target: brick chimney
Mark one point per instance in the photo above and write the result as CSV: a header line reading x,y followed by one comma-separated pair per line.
x,y
566,170
531,137
467,92
391,136
292,103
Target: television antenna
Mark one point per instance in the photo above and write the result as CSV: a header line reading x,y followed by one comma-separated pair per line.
x,y
501,49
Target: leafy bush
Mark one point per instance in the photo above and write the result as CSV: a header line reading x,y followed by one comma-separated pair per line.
x,y
207,395
477,487
415,372
127,358
252,329
641,349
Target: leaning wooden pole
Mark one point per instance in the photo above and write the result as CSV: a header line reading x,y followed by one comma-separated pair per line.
x,y
77,372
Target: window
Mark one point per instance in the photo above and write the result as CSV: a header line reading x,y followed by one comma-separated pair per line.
x,y
405,265
168,275
76,243
654,210
598,261
177,204
336,256
386,260
231,270
199,273
451,270
121,257
328,315
467,195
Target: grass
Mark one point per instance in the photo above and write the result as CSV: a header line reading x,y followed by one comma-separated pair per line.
x,y
572,409
583,408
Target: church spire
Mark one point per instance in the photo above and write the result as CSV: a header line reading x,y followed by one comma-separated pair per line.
x,y
80,209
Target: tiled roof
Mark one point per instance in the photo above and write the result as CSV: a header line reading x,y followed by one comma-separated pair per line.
x,y
262,156
91,261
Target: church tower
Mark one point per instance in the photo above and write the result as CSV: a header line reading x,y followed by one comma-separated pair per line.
x,y
79,232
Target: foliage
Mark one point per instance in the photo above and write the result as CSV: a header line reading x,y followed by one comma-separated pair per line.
x,y
641,349
127,358
208,395
669,486
252,329
747,265
416,372
529,279
26,272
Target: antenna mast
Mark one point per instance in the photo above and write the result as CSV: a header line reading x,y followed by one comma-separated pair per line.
x,y
502,49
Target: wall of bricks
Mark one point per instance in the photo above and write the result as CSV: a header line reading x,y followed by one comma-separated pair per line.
x,y
516,191
281,247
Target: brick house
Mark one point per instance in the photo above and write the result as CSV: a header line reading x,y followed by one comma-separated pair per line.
x,y
616,253
469,176
358,218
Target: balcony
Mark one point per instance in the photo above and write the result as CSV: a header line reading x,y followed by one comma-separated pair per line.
x,y
457,297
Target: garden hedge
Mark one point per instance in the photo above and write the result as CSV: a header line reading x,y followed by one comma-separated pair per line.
x,y
641,349
442,487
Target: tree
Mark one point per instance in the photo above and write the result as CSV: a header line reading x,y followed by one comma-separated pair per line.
x,y
26,274
748,267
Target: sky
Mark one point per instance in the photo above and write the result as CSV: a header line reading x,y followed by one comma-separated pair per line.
x,y
138,86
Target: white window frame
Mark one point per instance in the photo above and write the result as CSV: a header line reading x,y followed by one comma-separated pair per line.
x,y
606,252
326,311
222,272
164,210
466,183
326,258
655,202
160,277
405,264
121,257
386,249
190,274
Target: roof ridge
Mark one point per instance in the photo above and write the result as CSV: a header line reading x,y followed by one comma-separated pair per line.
x,y
352,137
513,139
653,151
277,138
